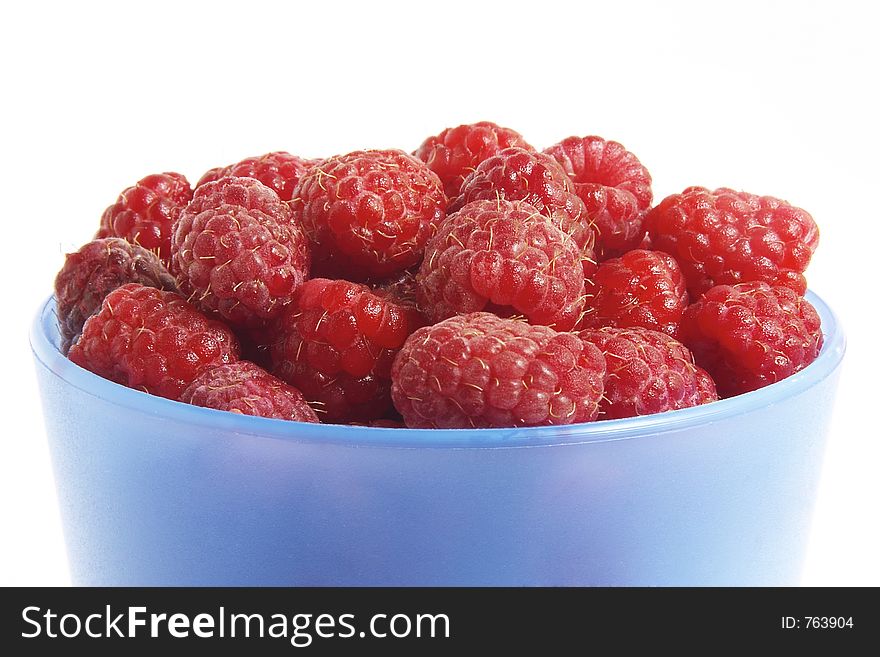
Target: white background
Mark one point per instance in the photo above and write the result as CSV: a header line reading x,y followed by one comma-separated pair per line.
x,y
775,98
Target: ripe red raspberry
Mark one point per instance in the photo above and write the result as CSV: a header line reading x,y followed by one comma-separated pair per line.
x,y
455,152
238,251
647,372
480,370
614,186
94,271
641,288
278,170
726,237
144,213
368,214
336,343
152,340
504,257
248,389
751,335
516,174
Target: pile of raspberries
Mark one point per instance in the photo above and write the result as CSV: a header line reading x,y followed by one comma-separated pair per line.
x,y
477,282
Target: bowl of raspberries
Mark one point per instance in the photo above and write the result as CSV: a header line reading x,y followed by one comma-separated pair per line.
x,y
472,363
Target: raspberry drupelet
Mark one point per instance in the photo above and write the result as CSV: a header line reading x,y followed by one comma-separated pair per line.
x,y
481,370
506,257
238,252
152,340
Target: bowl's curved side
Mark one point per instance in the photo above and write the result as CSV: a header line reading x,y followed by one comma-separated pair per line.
x,y
153,492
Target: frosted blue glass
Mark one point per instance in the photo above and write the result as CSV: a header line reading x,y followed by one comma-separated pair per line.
x,y
155,492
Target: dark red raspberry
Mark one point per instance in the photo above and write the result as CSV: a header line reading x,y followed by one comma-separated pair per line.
x,y
93,272
647,372
278,170
152,340
516,174
641,288
455,152
726,237
368,214
505,257
480,370
248,389
238,252
336,343
614,186
751,335
144,213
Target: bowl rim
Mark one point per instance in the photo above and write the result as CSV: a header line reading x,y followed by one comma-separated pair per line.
x,y
44,339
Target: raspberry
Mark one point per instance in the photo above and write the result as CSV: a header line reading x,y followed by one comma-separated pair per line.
x,y
516,174
480,370
336,343
726,237
455,152
647,372
506,257
93,272
614,186
144,213
152,340
751,335
641,288
238,251
248,389
279,171
368,213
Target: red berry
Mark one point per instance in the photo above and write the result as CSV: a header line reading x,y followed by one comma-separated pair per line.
x,y
516,174
726,237
278,170
144,213
506,257
336,343
614,186
647,372
368,214
455,152
93,272
751,335
239,252
480,370
641,288
248,389
152,340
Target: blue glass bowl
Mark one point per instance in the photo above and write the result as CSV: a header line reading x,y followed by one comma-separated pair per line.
x,y
156,492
